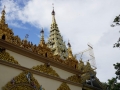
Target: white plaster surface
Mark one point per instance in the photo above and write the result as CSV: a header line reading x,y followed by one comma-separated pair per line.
x,y
62,73
29,63
23,60
50,84
7,74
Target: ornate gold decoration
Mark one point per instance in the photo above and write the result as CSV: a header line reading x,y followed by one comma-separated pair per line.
x,y
22,87
87,70
79,79
42,41
3,17
70,55
42,49
72,62
55,40
24,81
64,86
85,77
81,65
58,59
45,69
75,78
87,67
6,57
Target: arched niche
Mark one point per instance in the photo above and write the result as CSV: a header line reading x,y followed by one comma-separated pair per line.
x,y
46,54
3,37
75,67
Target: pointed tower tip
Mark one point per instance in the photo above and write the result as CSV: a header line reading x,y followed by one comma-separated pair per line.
x,y
42,31
3,16
3,11
53,12
42,42
69,45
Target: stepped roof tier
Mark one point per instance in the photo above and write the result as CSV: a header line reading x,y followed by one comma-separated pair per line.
x,y
55,40
57,63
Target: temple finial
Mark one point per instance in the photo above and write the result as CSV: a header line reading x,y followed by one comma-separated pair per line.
x,y
42,42
53,12
70,55
53,5
69,45
4,7
26,36
3,16
42,31
3,11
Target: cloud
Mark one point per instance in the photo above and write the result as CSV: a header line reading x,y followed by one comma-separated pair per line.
x,y
15,24
80,22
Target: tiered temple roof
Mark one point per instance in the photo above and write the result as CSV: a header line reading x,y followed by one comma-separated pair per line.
x,y
55,50
55,40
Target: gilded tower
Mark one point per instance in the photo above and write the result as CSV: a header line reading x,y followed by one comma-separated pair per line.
x,y
32,67
2,21
55,40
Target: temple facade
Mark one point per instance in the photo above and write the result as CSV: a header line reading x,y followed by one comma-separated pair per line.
x,y
46,66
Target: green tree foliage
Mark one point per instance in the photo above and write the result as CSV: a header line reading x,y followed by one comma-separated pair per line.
x,y
112,83
116,23
117,20
117,67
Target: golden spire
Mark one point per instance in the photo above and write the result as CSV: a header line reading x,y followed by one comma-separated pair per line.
x,y
54,24
55,40
42,42
3,16
70,55
53,16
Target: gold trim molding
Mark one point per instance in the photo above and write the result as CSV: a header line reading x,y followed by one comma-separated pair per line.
x,y
7,34
74,78
45,69
44,75
64,86
37,57
6,57
24,81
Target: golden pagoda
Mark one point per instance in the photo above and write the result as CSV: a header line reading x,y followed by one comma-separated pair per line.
x,y
46,66
55,40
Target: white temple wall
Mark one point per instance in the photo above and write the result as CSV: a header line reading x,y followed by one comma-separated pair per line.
x,y
50,84
62,73
29,63
8,73
23,60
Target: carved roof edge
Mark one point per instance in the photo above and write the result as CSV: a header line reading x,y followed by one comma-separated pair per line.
x,y
37,57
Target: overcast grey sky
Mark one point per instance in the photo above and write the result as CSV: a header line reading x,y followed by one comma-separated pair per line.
x,y
80,21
